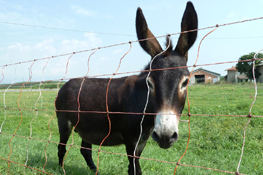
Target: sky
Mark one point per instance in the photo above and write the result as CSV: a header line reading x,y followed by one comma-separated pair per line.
x,y
39,29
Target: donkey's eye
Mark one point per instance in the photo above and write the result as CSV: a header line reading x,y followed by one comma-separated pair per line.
x,y
150,83
184,84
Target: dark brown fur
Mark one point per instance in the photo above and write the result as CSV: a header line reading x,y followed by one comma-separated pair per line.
x,y
127,94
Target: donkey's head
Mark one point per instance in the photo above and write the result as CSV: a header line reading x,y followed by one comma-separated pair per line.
x,y
168,87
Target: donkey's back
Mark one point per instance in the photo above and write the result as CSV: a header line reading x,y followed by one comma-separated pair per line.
x,y
92,94
91,122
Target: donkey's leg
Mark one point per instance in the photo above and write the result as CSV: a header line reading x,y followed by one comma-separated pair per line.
x,y
130,151
87,154
64,131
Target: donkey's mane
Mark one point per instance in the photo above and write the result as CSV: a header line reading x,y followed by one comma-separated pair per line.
x,y
168,46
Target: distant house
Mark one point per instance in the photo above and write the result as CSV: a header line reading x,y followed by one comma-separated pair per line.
x,y
260,69
231,74
234,76
201,75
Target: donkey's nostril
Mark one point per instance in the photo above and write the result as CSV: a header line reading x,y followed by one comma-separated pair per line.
x,y
174,136
155,136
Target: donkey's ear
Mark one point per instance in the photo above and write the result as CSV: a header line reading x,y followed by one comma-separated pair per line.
x,y
189,22
151,46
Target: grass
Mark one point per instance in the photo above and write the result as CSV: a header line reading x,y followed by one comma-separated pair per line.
x,y
215,141
33,85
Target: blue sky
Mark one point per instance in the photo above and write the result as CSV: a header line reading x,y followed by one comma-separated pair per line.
x,y
113,22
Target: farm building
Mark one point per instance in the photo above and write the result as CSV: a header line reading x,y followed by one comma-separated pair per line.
x,y
234,76
260,68
201,75
231,74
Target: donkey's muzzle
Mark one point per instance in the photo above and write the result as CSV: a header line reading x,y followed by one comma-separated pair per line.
x,y
165,131
165,141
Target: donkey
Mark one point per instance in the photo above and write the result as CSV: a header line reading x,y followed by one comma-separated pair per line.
x,y
129,95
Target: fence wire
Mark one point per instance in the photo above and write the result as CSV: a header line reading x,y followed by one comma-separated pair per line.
x,y
177,164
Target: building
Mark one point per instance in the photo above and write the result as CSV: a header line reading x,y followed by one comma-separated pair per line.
x,y
234,76
231,74
260,69
201,75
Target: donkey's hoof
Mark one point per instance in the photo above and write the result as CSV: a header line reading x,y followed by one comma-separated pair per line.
x,y
95,171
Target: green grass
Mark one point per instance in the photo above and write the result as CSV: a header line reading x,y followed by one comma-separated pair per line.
x,y
215,142
33,85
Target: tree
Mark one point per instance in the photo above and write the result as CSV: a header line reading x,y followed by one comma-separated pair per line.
x,y
246,67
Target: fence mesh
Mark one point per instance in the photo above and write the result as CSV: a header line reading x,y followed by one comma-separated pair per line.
x,y
40,107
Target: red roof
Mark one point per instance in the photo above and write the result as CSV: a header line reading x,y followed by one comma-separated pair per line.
x,y
232,68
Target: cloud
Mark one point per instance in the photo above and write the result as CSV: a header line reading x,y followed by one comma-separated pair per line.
x,y
32,15
118,51
85,12
20,52
71,45
82,11
9,16
92,38
231,15
49,47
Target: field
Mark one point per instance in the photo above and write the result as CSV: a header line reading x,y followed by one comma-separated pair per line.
x,y
215,142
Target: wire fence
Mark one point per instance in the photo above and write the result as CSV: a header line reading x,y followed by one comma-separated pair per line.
x,y
36,109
